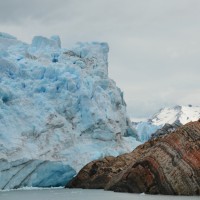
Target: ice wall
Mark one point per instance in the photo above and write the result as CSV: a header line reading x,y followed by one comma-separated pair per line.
x,y
59,104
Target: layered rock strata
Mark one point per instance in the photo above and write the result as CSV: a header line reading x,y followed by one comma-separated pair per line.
x,y
166,165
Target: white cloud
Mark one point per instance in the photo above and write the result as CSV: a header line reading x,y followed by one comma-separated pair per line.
x,y
154,44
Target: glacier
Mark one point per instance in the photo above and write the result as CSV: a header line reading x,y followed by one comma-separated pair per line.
x,y
58,110
168,115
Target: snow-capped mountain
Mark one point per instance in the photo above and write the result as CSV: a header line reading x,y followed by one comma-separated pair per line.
x,y
169,115
58,111
184,114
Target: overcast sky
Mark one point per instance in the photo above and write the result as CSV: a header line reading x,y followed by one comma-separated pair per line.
x,y
154,44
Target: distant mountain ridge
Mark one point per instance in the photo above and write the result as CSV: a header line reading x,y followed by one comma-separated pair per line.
x,y
169,115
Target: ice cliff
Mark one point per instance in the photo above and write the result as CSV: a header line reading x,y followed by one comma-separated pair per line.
x,y
58,111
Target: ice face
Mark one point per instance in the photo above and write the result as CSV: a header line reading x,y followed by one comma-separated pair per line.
x,y
145,130
32,173
59,104
7,36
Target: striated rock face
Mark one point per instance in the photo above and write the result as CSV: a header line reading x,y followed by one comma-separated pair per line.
x,y
102,174
167,165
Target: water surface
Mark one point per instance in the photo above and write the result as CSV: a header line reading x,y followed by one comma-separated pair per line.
x,y
79,194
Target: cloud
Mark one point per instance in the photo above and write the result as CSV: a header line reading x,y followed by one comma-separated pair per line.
x,y
16,11
154,44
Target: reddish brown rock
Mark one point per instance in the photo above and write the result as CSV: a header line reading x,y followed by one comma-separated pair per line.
x,y
97,174
167,165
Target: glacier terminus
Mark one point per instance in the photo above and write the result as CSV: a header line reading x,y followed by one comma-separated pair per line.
x,y
58,111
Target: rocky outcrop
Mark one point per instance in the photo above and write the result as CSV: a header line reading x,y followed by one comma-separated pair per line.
x,y
166,165
99,173
166,129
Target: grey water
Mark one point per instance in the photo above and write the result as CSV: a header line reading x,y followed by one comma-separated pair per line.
x,y
80,194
